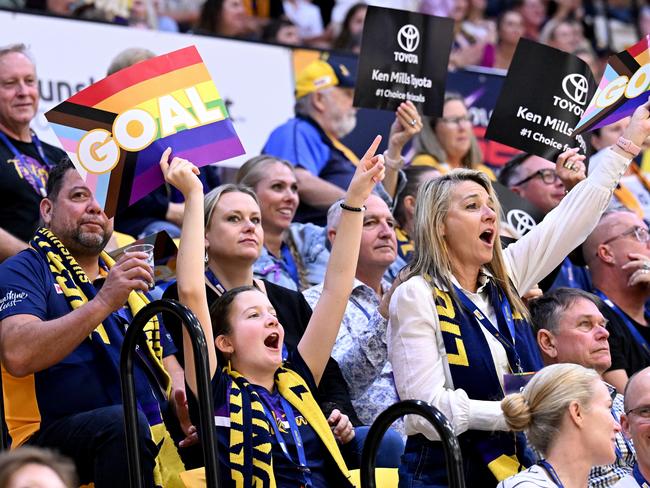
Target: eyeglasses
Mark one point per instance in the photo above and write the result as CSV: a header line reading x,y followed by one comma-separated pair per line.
x,y
548,176
463,119
643,411
641,234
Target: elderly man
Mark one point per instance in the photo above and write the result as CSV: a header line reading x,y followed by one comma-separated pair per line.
x,y
360,347
619,259
635,423
25,161
64,308
311,140
571,329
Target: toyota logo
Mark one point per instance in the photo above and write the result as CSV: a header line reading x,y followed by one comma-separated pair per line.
x,y
575,87
520,220
408,38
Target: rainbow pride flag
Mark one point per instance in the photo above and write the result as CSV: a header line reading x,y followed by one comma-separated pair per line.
x,y
115,130
622,89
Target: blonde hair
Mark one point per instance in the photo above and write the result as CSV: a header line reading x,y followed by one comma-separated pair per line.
x,y
212,198
255,169
539,409
427,142
431,257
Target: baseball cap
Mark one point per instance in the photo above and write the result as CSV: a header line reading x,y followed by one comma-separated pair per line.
x,y
321,74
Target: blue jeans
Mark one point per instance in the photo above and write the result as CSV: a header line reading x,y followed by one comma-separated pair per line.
x,y
389,452
156,226
96,442
423,464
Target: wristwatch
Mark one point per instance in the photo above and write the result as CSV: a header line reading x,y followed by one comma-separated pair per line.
x,y
628,146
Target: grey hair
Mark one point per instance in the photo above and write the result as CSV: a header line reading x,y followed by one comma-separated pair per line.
x,y
431,257
19,48
129,57
545,311
427,142
255,169
212,198
303,105
334,214
540,408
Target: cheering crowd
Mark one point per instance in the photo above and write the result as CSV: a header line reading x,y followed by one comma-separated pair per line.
x,y
331,285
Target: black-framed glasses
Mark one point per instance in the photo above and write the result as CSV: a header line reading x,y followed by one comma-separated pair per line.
x,y
641,234
462,119
548,176
643,411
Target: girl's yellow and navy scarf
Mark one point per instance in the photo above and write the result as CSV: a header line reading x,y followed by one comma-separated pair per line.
x,y
78,290
251,462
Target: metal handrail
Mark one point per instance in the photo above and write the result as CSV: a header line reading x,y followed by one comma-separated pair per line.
x,y
206,409
450,445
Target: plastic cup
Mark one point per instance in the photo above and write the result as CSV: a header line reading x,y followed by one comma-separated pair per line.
x,y
148,250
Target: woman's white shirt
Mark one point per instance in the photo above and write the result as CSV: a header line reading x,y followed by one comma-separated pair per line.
x,y
422,372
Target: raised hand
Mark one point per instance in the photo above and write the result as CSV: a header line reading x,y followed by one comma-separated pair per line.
x,y
180,173
639,129
570,168
370,171
407,124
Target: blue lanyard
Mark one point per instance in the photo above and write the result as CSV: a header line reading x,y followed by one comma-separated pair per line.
x,y
633,330
638,477
504,319
36,182
551,472
214,281
356,303
289,263
297,438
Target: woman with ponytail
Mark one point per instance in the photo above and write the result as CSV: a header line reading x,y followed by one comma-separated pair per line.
x,y
565,411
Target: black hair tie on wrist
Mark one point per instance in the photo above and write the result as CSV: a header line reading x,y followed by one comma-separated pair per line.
x,y
353,209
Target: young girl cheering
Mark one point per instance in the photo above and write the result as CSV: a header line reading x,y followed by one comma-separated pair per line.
x,y
271,431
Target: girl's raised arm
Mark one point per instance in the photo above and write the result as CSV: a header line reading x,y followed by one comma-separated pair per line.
x,y
318,340
190,266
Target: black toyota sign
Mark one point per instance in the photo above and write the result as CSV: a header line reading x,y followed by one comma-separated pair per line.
x,y
543,97
403,57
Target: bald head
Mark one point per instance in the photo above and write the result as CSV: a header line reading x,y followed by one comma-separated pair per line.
x,y
611,224
638,386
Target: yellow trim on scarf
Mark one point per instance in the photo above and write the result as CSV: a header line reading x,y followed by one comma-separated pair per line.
x,y
287,383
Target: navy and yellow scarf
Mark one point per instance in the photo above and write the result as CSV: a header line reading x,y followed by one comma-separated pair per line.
x,y
78,290
405,245
468,353
251,462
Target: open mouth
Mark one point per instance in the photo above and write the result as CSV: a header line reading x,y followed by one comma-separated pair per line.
x,y
286,212
272,341
487,236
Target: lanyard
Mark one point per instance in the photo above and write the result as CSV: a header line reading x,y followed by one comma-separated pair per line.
x,y
551,472
633,330
505,321
356,303
289,263
638,477
35,181
297,438
216,284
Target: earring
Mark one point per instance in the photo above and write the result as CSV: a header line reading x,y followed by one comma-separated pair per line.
x,y
206,256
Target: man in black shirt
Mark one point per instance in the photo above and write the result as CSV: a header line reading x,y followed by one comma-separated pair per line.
x,y
618,255
25,161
